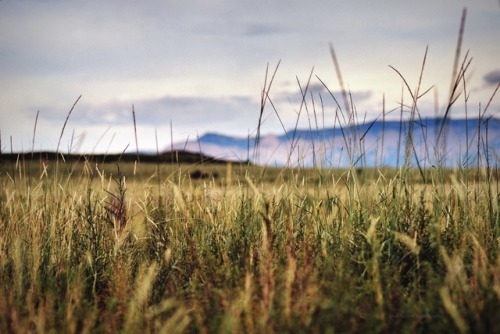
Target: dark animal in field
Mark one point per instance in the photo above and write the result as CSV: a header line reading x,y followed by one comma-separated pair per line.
x,y
198,174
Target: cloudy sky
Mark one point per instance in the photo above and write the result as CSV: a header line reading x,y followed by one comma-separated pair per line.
x,y
191,67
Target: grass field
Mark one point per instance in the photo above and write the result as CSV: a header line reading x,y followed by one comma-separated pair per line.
x,y
150,248
87,247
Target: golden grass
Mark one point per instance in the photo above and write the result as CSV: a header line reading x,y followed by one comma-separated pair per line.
x,y
253,250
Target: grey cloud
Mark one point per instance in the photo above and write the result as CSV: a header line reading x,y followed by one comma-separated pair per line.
x,y
257,29
194,109
492,78
317,89
183,111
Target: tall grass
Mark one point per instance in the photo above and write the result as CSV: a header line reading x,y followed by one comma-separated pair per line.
x,y
288,251
129,247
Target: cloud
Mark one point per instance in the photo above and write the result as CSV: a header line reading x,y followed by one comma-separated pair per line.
x,y
193,111
259,30
202,60
315,90
492,78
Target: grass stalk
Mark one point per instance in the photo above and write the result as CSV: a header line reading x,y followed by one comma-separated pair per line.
x,y
135,134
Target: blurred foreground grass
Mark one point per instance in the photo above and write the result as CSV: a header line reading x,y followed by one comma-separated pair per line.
x,y
88,247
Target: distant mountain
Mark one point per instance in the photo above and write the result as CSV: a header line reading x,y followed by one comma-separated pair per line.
x,y
425,142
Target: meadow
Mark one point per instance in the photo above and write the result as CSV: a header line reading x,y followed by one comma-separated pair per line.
x,y
138,247
94,247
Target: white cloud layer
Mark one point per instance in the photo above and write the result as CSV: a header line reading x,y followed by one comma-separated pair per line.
x,y
200,64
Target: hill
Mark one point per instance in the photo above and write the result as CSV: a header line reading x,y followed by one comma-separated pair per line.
x,y
425,142
176,156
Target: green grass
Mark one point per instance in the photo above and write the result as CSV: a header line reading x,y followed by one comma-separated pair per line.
x,y
254,250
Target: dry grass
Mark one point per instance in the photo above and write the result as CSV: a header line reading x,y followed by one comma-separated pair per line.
x,y
298,252
134,247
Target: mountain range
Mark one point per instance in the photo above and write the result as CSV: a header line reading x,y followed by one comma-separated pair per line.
x,y
421,142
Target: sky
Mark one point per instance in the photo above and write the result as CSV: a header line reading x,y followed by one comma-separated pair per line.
x,y
191,67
